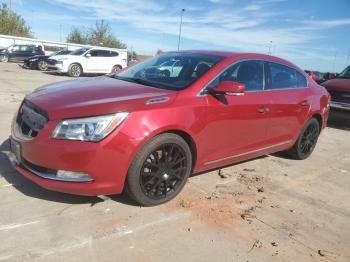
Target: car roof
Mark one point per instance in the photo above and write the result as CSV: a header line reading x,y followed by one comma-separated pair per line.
x,y
207,52
228,54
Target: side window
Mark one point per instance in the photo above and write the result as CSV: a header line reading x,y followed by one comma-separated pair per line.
x,y
24,48
112,53
281,77
250,73
94,53
104,53
14,48
301,80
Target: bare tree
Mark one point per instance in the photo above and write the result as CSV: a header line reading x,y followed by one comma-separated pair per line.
x,y
99,35
77,36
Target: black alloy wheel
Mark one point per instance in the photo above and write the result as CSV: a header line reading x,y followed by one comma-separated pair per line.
x,y
160,170
307,140
163,171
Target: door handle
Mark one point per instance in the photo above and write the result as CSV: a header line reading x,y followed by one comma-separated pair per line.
x,y
264,109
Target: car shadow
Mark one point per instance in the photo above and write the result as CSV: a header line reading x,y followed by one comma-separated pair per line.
x,y
339,119
29,188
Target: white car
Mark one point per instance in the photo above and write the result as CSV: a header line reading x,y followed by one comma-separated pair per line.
x,y
89,60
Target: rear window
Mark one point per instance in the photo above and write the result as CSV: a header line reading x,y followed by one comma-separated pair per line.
x,y
285,77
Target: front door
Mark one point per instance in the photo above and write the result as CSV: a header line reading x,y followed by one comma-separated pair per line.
x,y
236,125
96,62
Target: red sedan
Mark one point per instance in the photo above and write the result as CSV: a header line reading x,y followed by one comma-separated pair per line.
x,y
149,127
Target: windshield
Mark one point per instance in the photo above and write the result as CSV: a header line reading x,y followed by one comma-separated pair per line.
x,y
345,73
79,51
174,71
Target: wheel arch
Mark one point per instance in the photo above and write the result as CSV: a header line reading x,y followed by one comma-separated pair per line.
x,y
188,139
319,119
76,63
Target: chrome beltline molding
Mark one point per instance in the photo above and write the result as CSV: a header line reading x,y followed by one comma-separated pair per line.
x,y
247,153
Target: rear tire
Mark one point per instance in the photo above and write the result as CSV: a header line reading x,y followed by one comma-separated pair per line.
x,y
42,65
75,70
4,58
116,68
306,141
160,170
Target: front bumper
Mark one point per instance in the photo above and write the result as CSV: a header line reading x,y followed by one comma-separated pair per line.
x,y
57,67
340,105
105,162
30,65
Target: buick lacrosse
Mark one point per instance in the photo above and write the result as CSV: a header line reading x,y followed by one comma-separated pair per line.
x,y
148,128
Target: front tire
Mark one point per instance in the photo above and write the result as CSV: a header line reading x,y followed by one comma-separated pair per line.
x,y
75,70
160,170
42,65
4,58
306,141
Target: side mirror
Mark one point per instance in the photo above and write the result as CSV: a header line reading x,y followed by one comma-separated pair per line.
x,y
88,55
229,88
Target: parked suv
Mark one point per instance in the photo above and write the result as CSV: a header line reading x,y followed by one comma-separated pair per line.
x,y
89,60
147,129
20,52
339,89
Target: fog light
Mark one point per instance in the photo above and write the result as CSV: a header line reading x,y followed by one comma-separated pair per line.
x,y
73,176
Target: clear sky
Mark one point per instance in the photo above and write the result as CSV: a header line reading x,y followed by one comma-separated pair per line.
x,y
314,34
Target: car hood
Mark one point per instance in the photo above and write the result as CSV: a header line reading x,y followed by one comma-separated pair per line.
x,y
337,84
95,96
57,57
37,57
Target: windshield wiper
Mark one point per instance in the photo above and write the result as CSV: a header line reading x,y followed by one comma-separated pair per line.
x,y
139,81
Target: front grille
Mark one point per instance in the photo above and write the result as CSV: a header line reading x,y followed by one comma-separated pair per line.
x,y
51,61
31,119
340,95
37,169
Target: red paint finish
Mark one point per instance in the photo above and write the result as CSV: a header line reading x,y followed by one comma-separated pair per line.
x,y
223,130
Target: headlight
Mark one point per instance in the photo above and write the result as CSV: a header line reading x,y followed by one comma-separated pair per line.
x,y
32,60
90,128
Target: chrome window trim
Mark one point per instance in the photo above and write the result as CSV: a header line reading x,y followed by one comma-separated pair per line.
x,y
201,93
247,153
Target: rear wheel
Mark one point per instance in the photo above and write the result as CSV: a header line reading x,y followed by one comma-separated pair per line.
x,y
116,68
160,170
307,140
4,58
42,65
75,70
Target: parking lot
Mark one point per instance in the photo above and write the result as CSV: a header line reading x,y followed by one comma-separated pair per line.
x,y
268,209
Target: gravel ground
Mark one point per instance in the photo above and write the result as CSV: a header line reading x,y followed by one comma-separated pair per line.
x,y
268,209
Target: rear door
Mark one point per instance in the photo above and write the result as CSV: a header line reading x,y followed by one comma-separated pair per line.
x,y
290,102
24,52
236,125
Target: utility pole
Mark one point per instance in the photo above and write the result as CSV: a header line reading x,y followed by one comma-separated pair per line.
x,y
178,43
61,33
335,57
270,46
10,4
